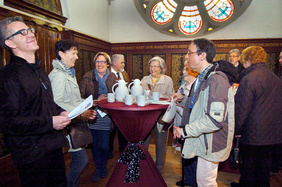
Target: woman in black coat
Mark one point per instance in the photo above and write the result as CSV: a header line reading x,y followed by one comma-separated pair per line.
x,y
257,117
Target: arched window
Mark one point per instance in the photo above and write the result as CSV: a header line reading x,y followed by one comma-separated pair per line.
x,y
190,18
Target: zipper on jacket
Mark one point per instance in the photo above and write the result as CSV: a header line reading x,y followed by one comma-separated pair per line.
x,y
206,143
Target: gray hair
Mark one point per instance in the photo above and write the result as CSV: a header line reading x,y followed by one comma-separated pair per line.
x,y
161,61
108,59
115,57
4,31
235,51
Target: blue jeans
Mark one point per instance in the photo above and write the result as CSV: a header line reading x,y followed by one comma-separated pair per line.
x,y
100,148
78,162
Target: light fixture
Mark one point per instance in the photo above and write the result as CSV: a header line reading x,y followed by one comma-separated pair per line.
x,y
210,29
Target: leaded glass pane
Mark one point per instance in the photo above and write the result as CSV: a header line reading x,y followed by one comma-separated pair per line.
x,y
163,11
190,21
219,10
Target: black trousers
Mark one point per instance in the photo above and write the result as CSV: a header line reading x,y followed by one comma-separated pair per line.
x,y
47,171
256,165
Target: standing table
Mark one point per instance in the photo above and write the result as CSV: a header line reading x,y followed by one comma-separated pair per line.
x,y
135,123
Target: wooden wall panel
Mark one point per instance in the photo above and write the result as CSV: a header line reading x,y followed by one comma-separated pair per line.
x,y
88,48
175,54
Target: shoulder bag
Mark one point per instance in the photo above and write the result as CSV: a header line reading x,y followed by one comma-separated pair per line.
x,y
80,135
235,157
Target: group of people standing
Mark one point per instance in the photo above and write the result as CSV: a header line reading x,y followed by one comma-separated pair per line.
x,y
34,110
213,115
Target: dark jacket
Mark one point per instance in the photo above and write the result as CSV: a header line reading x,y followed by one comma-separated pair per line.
x,y
112,79
26,110
89,85
258,106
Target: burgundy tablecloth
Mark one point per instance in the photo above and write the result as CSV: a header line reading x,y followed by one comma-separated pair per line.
x,y
135,123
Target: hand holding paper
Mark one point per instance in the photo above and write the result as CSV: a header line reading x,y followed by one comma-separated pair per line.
x,y
85,105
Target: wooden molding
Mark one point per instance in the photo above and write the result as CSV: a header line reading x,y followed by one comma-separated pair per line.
x,y
223,46
37,10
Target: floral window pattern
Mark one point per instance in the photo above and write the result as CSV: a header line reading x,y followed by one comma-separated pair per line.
x,y
190,21
190,18
163,11
219,10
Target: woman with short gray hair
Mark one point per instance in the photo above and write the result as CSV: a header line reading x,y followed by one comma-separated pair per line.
x,y
157,81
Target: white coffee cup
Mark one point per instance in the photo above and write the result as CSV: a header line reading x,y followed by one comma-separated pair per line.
x,y
111,97
141,100
156,96
128,100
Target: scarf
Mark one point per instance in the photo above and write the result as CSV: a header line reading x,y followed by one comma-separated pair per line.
x,y
70,71
102,82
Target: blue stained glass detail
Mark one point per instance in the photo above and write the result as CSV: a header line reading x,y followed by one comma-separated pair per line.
x,y
160,15
223,12
190,26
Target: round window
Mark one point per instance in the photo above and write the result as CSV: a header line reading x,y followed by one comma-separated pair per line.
x,y
190,18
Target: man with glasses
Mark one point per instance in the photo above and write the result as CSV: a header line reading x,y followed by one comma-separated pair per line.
x,y
29,118
117,73
207,124
234,57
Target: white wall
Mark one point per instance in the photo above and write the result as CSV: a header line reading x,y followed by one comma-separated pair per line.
x,y
120,22
90,17
263,19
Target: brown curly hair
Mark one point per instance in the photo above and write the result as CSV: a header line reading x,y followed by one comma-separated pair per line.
x,y
254,54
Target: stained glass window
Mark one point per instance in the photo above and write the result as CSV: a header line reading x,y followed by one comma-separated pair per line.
x,y
163,11
190,21
219,10
190,18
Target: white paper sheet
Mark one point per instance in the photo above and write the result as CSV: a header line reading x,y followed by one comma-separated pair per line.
x,y
170,112
85,105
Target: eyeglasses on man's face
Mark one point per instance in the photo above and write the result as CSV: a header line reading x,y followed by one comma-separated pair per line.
x,y
101,62
192,52
23,32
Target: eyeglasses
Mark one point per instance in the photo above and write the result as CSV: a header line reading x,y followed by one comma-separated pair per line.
x,y
23,32
155,67
190,52
233,56
101,62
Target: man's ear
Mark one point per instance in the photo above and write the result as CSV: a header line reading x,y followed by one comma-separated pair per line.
x,y
239,58
203,56
10,44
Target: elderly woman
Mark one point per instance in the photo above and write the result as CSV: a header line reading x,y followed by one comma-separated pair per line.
x,y
94,82
67,95
258,111
158,82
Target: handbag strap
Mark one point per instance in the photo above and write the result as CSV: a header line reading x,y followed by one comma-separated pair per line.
x,y
237,140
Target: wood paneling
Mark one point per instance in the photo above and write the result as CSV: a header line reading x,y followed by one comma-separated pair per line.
x,y
175,52
50,10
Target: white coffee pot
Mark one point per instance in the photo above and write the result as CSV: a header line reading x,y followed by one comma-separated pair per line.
x,y
121,90
136,89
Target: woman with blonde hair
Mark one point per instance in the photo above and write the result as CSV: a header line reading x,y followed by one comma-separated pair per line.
x,y
94,83
258,104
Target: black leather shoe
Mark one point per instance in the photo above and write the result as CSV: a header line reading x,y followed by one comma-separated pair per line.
x,y
234,184
110,155
180,183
